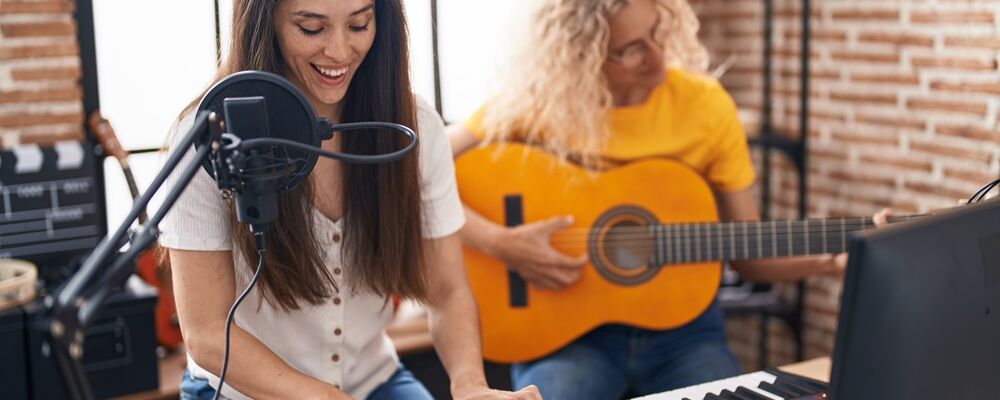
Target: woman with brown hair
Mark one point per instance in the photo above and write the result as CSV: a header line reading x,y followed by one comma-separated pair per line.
x,y
345,241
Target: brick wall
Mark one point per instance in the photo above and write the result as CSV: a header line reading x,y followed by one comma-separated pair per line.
x,y
40,93
905,100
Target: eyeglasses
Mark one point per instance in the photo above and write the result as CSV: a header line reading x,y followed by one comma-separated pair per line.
x,y
634,54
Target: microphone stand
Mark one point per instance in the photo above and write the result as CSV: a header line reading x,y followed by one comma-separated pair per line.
x,y
68,312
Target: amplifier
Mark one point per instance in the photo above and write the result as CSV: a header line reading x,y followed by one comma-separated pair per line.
x,y
13,364
119,355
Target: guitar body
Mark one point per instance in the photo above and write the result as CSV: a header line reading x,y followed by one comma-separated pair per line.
x,y
609,207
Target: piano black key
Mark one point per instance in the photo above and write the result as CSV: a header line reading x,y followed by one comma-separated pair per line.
x,y
798,386
749,394
727,394
775,390
711,396
790,388
813,385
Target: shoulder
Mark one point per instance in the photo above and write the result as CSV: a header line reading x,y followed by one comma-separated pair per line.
x,y
699,96
180,128
430,131
696,87
427,116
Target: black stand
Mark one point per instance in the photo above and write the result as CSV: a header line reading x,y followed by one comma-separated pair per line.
x,y
255,176
788,311
70,311
765,301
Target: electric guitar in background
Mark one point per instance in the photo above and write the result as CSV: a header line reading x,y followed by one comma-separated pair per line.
x,y
651,232
151,266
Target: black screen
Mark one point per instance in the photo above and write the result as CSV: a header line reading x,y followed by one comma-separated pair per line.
x,y
918,315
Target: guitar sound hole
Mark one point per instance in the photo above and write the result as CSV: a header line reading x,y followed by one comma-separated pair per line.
x,y
621,246
628,246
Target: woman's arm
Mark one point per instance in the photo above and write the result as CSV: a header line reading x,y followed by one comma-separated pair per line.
x,y
454,323
204,288
461,139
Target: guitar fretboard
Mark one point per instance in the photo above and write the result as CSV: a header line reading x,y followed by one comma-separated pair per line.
x,y
702,242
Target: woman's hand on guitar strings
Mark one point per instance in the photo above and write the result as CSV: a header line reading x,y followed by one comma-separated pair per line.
x,y
838,262
528,250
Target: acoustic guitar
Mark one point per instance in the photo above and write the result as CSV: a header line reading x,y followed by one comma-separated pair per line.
x,y
649,228
150,266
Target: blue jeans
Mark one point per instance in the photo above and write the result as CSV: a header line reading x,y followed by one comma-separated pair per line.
x,y
614,360
401,385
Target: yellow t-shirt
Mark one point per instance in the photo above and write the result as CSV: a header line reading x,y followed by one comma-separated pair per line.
x,y
688,117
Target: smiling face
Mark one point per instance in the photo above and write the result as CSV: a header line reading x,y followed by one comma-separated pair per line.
x,y
635,64
322,43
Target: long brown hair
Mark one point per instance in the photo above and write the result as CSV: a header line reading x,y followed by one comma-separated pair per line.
x,y
382,215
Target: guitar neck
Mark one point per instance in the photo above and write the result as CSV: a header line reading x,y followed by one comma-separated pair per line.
x,y
692,243
133,189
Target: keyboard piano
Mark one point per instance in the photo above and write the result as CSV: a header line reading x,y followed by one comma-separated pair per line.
x,y
769,384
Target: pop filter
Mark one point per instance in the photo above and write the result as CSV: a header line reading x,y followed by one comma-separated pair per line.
x,y
271,141
287,115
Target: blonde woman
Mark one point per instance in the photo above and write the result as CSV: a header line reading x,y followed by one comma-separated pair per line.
x,y
620,79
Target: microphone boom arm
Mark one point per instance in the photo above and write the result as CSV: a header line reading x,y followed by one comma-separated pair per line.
x,y
70,311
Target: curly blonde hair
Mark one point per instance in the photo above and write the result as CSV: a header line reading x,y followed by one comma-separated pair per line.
x,y
555,95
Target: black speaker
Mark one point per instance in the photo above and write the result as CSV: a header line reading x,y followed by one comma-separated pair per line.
x,y
14,363
119,352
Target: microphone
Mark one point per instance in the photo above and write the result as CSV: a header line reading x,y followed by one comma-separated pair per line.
x,y
272,141
258,105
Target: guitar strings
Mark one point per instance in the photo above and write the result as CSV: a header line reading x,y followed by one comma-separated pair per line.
x,y
682,249
686,244
741,228
695,230
829,223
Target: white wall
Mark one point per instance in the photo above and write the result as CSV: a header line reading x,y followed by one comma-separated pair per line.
x,y
418,19
153,57
474,38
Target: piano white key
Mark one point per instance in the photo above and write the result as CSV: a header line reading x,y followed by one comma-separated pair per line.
x,y
698,392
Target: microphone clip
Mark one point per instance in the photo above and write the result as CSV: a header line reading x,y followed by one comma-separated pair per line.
x,y
227,160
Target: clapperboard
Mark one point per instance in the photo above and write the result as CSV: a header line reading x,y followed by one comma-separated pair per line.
x,y
52,208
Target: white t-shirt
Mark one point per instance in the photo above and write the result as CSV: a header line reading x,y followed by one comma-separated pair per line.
x,y
343,340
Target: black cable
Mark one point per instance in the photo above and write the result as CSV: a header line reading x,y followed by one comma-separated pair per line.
x,y
987,189
982,192
974,195
261,250
233,141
